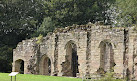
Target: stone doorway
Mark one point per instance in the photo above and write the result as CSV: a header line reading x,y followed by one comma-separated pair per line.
x,y
19,66
45,66
106,57
70,66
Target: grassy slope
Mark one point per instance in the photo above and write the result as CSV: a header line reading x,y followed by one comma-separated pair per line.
x,y
27,77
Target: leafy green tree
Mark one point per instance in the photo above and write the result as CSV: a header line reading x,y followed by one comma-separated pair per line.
x,y
125,12
18,21
68,12
46,26
5,59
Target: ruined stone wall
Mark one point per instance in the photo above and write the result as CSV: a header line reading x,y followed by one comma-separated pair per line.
x,y
132,53
79,38
25,51
47,48
87,40
114,36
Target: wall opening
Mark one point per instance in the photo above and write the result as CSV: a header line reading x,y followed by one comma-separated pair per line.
x,y
70,66
45,66
106,57
19,66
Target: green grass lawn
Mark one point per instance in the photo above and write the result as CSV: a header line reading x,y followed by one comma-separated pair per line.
x,y
28,77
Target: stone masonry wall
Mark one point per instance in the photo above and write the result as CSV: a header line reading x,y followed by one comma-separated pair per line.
x,y
87,39
25,50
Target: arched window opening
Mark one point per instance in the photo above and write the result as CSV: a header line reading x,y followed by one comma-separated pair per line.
x,y
70,66
19,66
106,57
45,66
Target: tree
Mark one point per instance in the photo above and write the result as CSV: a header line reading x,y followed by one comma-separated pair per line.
x,y
68,12
47,26
126,14
18,21
5,58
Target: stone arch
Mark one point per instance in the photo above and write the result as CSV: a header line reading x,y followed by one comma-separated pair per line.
x,y
70,66
109,41
19,66
106,56
45,65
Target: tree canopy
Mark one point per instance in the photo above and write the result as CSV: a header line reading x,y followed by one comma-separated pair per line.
x,y
125,12
68,12
18,21
62,13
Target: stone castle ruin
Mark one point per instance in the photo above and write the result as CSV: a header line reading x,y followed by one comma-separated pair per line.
x,y
79,50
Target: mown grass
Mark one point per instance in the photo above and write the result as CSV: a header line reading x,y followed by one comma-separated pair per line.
x,y
28,77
